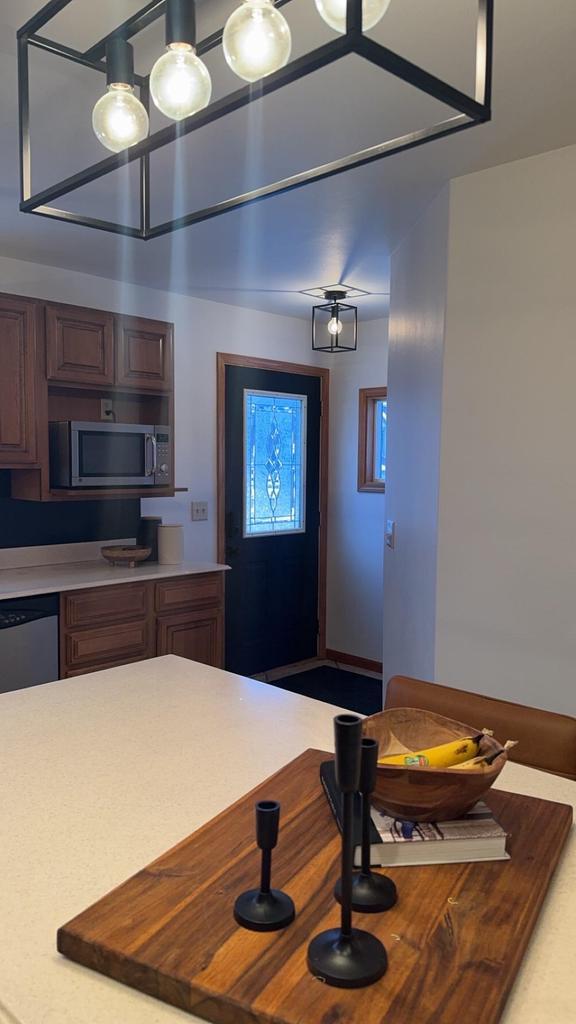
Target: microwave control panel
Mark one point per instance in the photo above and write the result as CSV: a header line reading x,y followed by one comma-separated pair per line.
x,y
162,474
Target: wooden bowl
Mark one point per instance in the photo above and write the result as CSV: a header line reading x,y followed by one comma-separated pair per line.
x,y
427,794
128,556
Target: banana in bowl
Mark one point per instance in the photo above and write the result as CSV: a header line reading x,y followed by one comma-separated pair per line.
x,y
421,775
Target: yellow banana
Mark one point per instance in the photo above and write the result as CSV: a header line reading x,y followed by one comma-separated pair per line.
x,y
474,762
443,756
486,759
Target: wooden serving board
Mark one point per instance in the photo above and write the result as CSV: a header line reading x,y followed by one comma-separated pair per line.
x,y
455,939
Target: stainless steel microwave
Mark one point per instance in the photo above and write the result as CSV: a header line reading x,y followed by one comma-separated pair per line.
x,y
109,455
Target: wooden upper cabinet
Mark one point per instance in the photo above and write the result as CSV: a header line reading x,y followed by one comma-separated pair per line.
x,y
143,354
18,331
79,345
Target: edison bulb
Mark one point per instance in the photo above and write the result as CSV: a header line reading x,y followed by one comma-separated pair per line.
x,y
180,82
335,326
119,120
256,40
334,12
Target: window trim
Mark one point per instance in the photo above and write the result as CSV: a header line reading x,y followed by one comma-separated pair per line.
x,y
368,397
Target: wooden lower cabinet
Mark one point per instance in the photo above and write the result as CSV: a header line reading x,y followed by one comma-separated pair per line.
x,y
102,627
92,647
196,635
123,603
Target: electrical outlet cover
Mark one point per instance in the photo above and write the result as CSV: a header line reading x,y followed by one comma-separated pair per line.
x,y
199,511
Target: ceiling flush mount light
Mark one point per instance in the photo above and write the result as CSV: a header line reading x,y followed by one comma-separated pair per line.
x,y
180,82
334,12
256,40
335,323
119,119
256,43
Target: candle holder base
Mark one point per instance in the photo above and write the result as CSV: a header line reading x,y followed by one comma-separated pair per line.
x,y
354,962
371,894
264,912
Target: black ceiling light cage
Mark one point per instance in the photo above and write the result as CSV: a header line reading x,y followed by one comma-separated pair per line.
x,y
335,324
468,111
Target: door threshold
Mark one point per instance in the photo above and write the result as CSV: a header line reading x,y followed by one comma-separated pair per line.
x,y
304,666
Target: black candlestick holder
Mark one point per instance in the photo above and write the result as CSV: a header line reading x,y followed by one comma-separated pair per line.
x,y
347,957
265,909
371,893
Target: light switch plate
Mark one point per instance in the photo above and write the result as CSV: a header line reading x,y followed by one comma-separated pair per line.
x,y
199,511
390,535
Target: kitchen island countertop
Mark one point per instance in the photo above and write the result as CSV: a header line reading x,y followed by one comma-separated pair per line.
x,y
101,774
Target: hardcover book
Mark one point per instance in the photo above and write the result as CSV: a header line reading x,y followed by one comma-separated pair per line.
x,y
476,836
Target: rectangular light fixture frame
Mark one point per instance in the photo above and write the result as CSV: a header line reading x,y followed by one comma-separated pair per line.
x,y
468,112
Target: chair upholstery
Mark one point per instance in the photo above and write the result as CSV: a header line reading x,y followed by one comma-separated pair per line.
x,y
545,740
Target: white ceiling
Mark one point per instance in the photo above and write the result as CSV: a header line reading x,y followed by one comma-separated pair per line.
x,y
340,229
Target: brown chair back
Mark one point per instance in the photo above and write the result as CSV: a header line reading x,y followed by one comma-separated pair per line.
x,y
545,740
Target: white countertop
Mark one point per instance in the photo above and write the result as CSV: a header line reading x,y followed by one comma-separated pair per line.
x,y
51,579
101,774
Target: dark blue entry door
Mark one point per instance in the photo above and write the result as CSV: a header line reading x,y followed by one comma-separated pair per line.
x,y
272,500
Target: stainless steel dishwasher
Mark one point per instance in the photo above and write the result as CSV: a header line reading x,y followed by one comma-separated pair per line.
x,y
28,642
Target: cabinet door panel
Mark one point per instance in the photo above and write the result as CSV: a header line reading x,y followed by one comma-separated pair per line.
x,y
17,381
96,647
143,354
105,604
79,345
196,635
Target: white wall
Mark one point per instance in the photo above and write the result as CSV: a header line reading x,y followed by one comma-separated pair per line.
x,y
355,534
502,551
201,330
417,307
506,603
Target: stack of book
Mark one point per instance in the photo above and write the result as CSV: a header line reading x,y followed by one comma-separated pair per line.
x,y
476,836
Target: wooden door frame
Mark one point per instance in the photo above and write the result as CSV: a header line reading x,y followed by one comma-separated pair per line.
x,y
323,373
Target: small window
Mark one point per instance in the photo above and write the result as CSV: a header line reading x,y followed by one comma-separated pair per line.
x,y
274,463
372,423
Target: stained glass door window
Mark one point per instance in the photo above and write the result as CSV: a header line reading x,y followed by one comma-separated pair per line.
x,y
274,463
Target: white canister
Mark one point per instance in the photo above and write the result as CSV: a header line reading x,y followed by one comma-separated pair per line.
x,y
170,544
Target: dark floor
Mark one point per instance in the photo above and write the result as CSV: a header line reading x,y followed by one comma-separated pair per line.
x,y
335,686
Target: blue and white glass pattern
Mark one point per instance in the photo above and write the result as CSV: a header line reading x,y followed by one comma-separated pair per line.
x,y
274,463
380,423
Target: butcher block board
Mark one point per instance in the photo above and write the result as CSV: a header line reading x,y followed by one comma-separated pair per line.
x,y
455,939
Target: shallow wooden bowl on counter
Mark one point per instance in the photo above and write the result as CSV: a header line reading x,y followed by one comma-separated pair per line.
x,y
427,794
126,556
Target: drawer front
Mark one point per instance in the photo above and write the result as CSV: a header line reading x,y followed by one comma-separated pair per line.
x,y
85,669
127,601
96,647
188,592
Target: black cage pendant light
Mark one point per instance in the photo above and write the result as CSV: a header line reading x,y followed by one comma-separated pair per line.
x,y
256,46
335,324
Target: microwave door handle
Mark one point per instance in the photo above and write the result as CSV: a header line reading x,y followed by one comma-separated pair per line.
x,y
154,453
149,454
